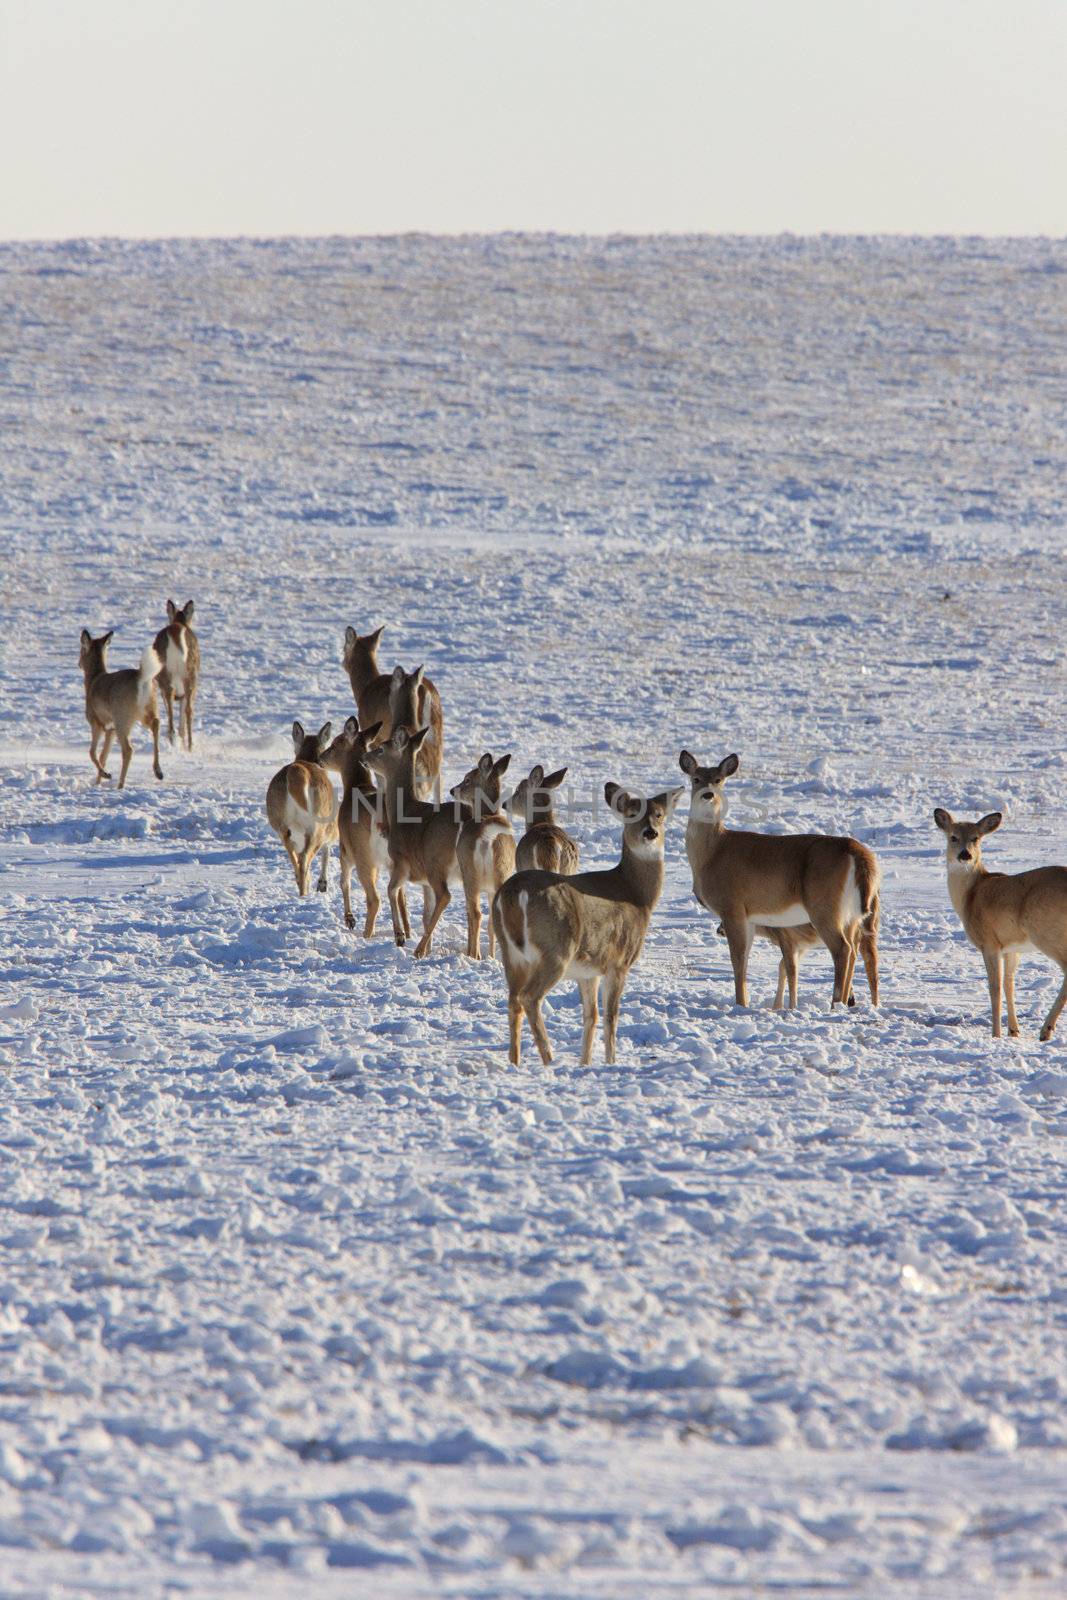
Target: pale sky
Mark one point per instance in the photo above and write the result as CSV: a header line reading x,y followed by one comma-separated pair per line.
x,y
174,117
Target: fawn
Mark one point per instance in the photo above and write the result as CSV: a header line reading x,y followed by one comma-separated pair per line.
x,y
777,881
485,849
179,650
793,942
544,844
373,692
1005,914
302,806
361,825
115,702
586,926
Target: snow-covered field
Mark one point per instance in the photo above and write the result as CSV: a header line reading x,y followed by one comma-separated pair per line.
x,y
299,1278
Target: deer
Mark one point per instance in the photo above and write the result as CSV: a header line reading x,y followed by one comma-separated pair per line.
x,y
302,806
544,844
793,942
1006,914
754,881
485,849
361,825
178,648
115,702
373,692
587,926
414,703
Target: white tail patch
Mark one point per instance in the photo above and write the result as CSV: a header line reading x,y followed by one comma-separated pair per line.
x,y
851,904
149,670
177,660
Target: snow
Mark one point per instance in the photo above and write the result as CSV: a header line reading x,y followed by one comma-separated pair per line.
x,y
302,1283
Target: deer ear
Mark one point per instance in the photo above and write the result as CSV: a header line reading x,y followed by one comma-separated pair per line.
x,y
554,779
503,764
87,637
671,798
374,639
537,776
622,803
418,675
351,727
368,733
990,823
398,676
415,739
943,819
187,611
687,763
485,762
108,636
729,765
323,735
401,739
350,637
172,610
298,734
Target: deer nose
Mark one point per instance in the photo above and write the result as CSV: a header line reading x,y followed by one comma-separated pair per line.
x,y
965,855
650,833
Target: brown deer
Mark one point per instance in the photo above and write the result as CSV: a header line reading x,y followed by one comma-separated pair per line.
x,y
414,703
759,880
486,846
586,926
794,942
179,650
361,825
302,806
372,690
423,837
545,844
115,702
1005,914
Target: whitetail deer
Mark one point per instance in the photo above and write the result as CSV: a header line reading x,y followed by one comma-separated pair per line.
x,y
777,881
587,926
361,824
373,692
1005,914
423,836
413,704
179,650
302,806
544,845
485,849
793,942
115,702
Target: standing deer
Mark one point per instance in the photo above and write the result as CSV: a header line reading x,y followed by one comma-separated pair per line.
x,y
544,844
587,926
361,825
179,650
423,837
413,704
778,881
115,702
486,846
1005,914
373,693
793,942
302,806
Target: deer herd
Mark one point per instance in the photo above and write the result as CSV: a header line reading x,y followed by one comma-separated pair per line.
x,y
551,921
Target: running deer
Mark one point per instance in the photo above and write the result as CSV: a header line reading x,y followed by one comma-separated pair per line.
x,y
762,881
486,847
302,806
372,690
423,837
361,824
1005,914
587,926
544,844
179,650
115,702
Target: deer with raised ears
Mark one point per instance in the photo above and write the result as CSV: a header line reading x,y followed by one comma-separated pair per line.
x,y
115,702
545,844
179,650
757,881
1006,914
361,824
485,849
793,942
302,806
423,837
587,926
372,690
413,704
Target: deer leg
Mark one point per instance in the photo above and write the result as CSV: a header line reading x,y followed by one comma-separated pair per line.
x,y
399,910
188,717
853,939
101,765
514,1027
290,850
1048,1027
739,937
324,862
443,897
994,972
151,721
532,1007
127,757
368,879
869,952
304,867
167,691
588,989
474,921
345,872
613,987
1011,963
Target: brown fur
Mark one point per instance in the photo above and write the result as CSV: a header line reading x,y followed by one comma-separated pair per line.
x,y
545,846
360,819
304,784
1000,910
746,877
590,925
115,702
372,690
485,849
181,636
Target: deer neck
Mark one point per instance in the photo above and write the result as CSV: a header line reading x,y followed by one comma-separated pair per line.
x,y
963,886
401,797
641,878
362,671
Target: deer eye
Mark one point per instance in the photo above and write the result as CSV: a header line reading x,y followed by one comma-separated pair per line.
x,y
955,839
